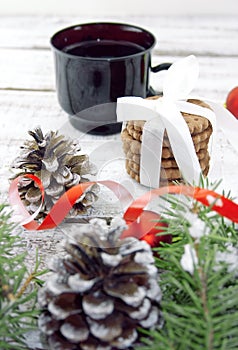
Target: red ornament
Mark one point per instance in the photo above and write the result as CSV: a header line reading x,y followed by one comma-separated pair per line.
x,y
149,228
155,237
232,102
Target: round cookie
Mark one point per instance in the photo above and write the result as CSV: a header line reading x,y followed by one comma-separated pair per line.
x,y
198,137
166,163
135,146
162,183
167,173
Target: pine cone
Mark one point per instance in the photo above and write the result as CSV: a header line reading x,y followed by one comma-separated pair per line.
x,y
100,292
58,163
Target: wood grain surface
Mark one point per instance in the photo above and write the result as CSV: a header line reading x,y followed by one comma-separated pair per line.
x,y
28,99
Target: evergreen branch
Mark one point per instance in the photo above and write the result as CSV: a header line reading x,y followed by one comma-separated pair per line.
x,y
200,291
18,312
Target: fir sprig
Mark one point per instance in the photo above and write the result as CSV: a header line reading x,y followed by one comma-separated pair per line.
x,y
199,282
18,311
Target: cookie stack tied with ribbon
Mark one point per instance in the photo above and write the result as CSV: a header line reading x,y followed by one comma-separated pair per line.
x,y
200,129
167,139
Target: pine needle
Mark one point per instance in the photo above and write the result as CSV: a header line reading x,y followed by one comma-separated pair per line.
x,y
200,306
18,312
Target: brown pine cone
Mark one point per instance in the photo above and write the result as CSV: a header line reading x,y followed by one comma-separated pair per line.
x,y
99,294
57,161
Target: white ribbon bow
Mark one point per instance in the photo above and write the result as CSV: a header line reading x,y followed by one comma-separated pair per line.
x,y
165,114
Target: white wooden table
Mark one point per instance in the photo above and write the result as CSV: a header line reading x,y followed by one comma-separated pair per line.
x,y
28,97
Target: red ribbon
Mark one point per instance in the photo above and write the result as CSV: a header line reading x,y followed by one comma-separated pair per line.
x,y
222,205
140,222
64,204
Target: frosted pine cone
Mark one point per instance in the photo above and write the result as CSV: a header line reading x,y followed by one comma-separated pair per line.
x,y
57,162
101,292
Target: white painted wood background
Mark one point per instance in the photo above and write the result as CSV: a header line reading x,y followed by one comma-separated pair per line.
x,y
122,7
28,97
27,85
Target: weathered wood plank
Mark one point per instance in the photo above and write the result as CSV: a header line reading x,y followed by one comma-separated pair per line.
x,y
218,75
24,110
202,35
206,35
27,69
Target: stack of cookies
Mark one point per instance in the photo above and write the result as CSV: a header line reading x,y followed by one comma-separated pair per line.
x,y
200,129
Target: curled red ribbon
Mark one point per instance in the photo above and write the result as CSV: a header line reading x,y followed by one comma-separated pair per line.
x,y
64,204
140,222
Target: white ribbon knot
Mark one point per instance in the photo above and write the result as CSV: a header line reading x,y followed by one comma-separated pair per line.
x,y
165,114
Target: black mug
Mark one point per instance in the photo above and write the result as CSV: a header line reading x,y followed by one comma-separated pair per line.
x,y
95,63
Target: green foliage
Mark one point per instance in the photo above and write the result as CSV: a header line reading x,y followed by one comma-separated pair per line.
x,y
17,288
200,298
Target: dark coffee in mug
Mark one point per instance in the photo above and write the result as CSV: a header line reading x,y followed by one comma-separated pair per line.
x,y
95,63
103,49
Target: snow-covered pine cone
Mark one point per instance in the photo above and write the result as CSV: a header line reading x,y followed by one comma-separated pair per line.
x,y
101,292
56,160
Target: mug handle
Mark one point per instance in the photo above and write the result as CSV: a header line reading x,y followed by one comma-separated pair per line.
x,y
162,66
158,68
